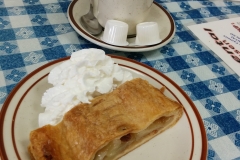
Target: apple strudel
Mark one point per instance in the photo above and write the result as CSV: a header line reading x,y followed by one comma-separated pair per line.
x,y
109,127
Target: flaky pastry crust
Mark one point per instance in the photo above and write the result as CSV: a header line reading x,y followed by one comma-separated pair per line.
x,y
87,128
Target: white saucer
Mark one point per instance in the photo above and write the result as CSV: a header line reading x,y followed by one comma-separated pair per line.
x,y
158,14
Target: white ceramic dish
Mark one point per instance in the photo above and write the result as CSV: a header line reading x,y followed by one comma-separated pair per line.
x,y
19,115
158,14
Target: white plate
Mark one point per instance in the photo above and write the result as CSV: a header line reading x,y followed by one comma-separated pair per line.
x,y
158,14
19,116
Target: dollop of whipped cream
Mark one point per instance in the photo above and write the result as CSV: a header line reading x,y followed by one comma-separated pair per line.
x,y
87,74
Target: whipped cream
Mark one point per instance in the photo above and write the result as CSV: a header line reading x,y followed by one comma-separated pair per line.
x,y
87,74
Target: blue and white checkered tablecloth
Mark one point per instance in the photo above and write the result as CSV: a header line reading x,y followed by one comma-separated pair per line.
x,y
34,32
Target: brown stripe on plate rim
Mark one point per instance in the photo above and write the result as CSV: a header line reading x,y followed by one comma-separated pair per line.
x,y
4,108
70,11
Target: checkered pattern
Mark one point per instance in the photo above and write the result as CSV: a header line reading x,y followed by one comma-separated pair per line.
x,y
34,32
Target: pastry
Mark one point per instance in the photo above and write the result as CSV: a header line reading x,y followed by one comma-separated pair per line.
x,y
109,127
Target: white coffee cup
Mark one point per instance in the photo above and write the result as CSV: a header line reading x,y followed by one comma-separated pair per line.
x,y
131,12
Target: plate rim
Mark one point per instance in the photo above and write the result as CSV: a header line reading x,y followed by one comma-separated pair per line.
x,y
3,111
98,42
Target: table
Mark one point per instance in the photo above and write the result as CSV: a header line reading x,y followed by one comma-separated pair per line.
x,y
35,32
